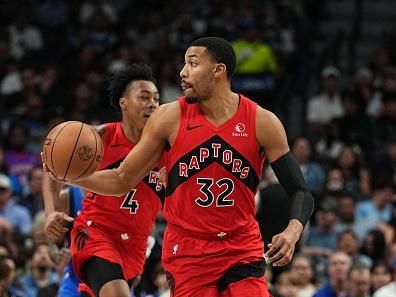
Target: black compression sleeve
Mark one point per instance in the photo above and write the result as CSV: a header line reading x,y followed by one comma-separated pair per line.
x,y
290,177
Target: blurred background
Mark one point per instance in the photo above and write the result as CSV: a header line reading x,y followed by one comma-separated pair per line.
x,y
326,68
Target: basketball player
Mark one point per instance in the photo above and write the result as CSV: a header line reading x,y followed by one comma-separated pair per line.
x,y
109,237
216,142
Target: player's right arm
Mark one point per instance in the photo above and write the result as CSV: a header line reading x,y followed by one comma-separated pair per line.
x,y
55,205
160,127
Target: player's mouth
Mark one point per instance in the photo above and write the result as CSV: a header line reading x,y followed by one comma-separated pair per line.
x,y
185,86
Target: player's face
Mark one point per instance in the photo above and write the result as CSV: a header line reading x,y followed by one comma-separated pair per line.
x,y
197,74
139,102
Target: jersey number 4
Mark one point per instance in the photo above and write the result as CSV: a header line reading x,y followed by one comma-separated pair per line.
x,y
221,200
129,203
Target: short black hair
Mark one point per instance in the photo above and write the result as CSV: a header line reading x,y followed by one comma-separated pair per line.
x,y
221,50
120,80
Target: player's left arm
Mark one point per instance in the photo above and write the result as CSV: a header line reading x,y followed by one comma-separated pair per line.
x,y
271,136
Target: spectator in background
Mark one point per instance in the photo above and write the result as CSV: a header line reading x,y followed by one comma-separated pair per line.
x,y
357,176
52,88
322,239
302,275
339,265
359,281
40,272
17,215
388,290
12,285
253,55
386,122
284,285
355,127
31,114
19,159
385,161
33,201
24,37
335,183
3,166
5,272
168,83
346,218
349,244
82,99
364,88
98,33
313,173
88,9
374,246
10,84
326,106
379,208
381,275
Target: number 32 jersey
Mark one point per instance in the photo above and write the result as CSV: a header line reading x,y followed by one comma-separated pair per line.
x,y
213,171
133,213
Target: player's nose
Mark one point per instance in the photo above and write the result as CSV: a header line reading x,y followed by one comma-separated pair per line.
x,y
183,71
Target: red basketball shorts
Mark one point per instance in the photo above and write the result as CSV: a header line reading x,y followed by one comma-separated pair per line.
x,y
211,265
89,240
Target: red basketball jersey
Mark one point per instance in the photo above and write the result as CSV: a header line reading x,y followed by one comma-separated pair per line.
x,y
135,212
213,171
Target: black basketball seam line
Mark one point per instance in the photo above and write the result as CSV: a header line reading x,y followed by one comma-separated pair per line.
x,y
52,149
93,159
74,149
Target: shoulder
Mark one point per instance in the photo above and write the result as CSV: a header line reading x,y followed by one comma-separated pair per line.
x,y
266,117
268,124
101,129
164,120
166,113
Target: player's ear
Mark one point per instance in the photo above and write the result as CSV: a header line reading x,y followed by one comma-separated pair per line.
x,y
220,69
122,103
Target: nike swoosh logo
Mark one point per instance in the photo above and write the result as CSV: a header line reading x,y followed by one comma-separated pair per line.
x,y
189,127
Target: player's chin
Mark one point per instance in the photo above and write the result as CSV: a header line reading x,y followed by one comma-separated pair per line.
x,y
191,99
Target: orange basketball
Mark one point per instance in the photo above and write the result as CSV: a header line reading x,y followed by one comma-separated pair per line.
x,y
73,150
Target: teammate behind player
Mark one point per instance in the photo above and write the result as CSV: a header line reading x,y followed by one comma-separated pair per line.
x,y
109,237
216,141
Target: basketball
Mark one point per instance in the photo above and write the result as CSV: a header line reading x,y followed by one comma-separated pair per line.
x,y
72,150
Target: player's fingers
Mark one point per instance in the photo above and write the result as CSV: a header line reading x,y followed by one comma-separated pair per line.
x,y
67,218
279,253
285,259
273,246
52,234
57,227
281,257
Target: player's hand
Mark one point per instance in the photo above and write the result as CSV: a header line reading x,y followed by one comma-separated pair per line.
x,y
281,249
55,224
161,174
49,172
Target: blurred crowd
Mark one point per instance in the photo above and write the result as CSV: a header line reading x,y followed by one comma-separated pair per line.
x,y
56,56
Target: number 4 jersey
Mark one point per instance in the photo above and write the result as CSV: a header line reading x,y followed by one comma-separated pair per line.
x,y
133,213
213,171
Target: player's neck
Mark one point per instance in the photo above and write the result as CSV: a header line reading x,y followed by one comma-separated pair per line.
x,y
220,107
133,134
